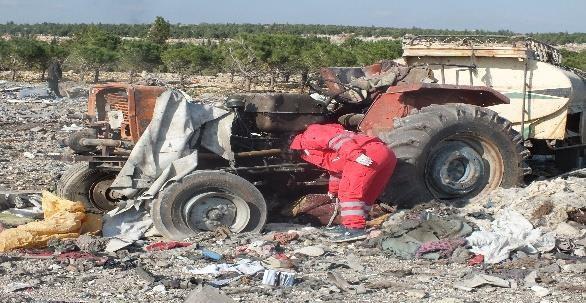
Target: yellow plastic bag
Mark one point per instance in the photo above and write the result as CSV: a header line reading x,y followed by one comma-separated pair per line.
x,y
63,219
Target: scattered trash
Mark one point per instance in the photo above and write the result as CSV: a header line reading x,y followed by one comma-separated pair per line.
x,y
476,260
284,238
405,239
278,278
158,246
71,128
124,225
510,232
566,230
478,280
32,93
211,255
244,266
416,293
63,219
160,288
342,284
540,291
16,286
312,251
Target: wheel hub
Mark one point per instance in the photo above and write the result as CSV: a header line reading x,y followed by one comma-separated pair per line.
x,y
209,211
100,195
456,169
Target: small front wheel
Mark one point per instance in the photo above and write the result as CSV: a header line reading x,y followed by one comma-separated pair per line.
x,y
206,200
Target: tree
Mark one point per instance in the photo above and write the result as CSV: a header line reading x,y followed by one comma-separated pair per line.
x,y
139,55
159,31
187,59
574,59
243,58
94,50
26,53
371,52
4,54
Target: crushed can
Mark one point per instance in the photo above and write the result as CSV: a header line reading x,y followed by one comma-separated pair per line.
x,y
273,277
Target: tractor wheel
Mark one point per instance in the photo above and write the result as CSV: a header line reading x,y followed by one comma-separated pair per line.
x,y
90,186
453,153
207,200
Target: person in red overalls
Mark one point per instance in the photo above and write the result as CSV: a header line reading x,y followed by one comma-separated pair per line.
x,y
359,166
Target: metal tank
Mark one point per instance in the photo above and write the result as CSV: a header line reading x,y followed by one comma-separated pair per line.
x,y
553,98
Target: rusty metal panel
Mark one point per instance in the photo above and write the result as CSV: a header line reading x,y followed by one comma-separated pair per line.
x,y
145,98
381,113
135,102
400,100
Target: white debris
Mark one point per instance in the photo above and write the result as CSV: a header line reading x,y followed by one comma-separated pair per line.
x,y
312,251
540,291
510,231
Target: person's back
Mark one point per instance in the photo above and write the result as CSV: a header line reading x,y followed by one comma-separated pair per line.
x,y
54,71
54,74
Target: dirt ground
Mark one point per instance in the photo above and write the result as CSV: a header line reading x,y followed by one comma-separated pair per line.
x,y
30,131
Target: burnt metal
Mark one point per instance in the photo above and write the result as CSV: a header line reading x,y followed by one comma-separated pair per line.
x,y
399,101
105,142
279,113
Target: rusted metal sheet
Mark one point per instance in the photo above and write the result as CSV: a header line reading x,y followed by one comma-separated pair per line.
x,y
135,102
399,101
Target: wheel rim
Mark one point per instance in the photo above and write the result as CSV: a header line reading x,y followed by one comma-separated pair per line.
x,y
208,211
100,195
463,166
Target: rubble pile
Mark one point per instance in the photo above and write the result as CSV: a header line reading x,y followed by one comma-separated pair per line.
x,y
31,127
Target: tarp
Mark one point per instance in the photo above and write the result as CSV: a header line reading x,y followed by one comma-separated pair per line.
x,y
62,219
167,150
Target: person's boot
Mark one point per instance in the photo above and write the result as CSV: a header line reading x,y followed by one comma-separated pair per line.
x,y
335,230
350,234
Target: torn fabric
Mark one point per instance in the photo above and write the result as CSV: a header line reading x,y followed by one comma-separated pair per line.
x,y
63,219
510,231
124,226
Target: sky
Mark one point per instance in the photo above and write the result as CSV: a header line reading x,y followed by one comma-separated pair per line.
x,y
522,16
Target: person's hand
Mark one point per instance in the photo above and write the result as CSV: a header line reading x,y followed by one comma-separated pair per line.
x,y
364,160
332,196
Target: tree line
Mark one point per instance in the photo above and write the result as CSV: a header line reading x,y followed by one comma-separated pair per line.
x,y
231,30
252,55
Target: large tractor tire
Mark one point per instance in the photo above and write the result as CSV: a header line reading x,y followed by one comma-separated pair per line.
x,y
80,183
207,200
453,153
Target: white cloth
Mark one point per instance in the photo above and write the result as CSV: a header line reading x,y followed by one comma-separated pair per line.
x,y
510,232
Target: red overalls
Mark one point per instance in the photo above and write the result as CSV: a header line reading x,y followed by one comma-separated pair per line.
x,y
331,147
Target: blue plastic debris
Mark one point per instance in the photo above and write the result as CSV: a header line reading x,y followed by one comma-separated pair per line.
x,y
211,255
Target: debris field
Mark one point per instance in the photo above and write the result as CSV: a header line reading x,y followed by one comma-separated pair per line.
x,y
515,245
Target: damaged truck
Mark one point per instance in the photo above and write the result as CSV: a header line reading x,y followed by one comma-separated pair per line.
x,y
450,114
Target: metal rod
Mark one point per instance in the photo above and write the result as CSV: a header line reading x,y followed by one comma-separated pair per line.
x,y
100,142
524,99
259,153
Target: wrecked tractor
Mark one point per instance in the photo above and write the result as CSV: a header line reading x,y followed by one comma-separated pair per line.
x,y
450,147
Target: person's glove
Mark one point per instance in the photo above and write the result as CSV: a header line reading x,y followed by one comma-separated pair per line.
x,y
332,196
364,160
